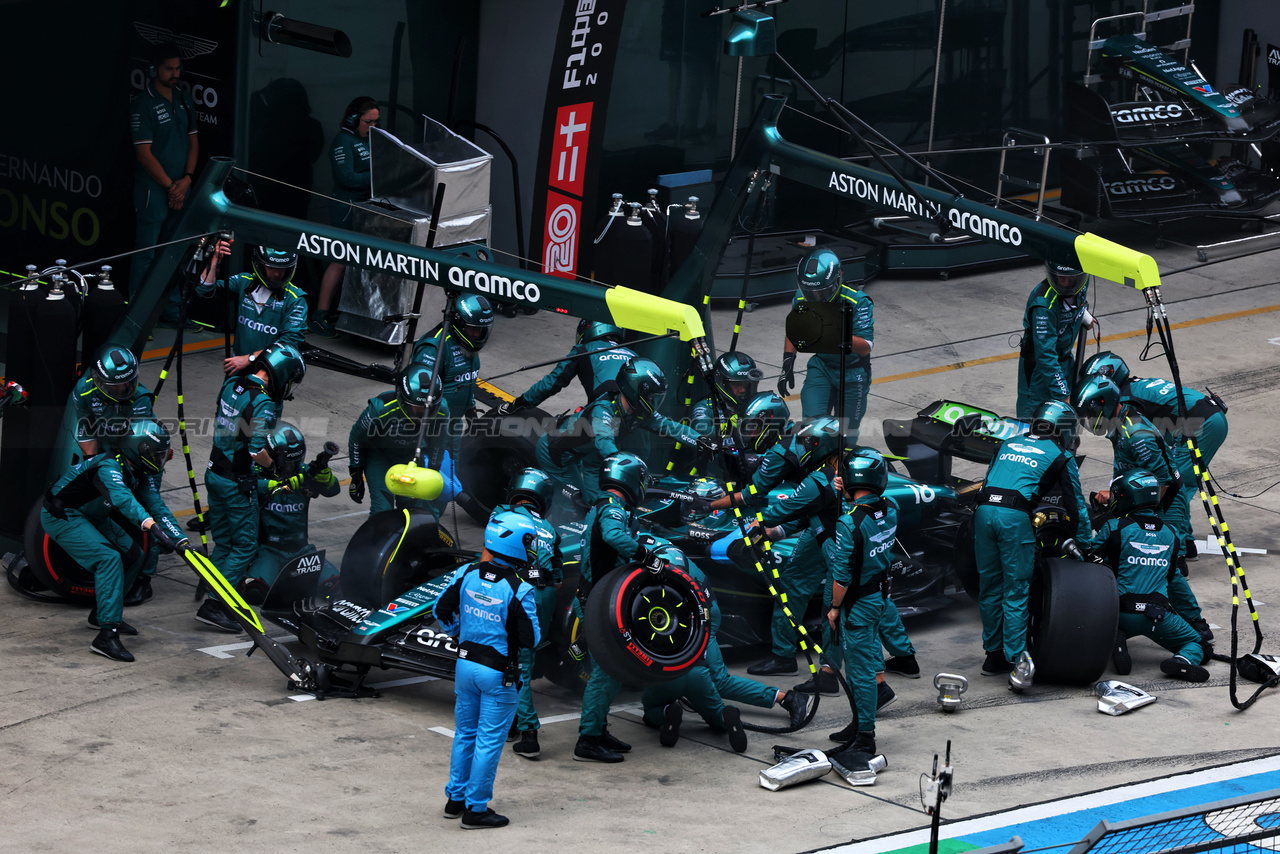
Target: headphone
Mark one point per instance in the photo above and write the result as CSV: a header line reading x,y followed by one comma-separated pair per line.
x,y
363,104
350,121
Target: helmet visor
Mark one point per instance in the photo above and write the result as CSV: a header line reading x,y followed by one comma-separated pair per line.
x,y
820,292
473,337
120,391
414,410
1067,284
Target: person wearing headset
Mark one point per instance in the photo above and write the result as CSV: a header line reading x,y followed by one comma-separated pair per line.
x,y
162,124
349,157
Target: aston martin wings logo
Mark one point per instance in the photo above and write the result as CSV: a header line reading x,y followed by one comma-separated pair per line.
x,y
188,45
1026,449
482,598
884,535
1150,548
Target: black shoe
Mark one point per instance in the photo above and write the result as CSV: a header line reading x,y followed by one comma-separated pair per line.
x,y
772,665
828,685
198,525
125,628
903,665
214,613
737,735
865,741
1120,658
797,704
885,696
669,732
1202,626
612,742
1179,668
996,664
139,592
527,746
454,809
512,732
589,749
108,643
483,820
1189,550
847,734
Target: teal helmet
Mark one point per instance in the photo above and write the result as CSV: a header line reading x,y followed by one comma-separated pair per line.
x,y
864,468
763,421
737,378
273,268
820,275
1109,365
533,485
472,321
285,369
414,389
704,487
1098,402
1056,420
288,448
1136,489
817,442
1066,280
643,384
589,331
115,373
511,538
145,446
626,473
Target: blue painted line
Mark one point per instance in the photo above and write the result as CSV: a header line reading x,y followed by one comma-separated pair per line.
x,y
1068,820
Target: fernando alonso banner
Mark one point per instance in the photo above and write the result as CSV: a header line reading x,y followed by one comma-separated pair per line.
x,y
573,130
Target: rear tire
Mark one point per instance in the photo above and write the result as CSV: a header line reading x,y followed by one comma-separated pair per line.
x,y
383,559
964,562
495,448
556,660
1076,627
51,566
644,629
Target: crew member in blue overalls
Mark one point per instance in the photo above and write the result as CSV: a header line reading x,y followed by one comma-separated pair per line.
x,y
491,612
529,495
270,307
821,279
1141,550
1023,470
594,359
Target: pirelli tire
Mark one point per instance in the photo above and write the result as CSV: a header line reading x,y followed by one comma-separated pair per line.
x,y
494,449
394,551
564,660
53,568
1076,626
644,628
964,561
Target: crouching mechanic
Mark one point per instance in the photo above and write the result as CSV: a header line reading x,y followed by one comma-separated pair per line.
x,y
861,551
608,542
285,495
248,409
575,449
1024,469
492,614
270,307
529,495
85,511
662,708
595,359
1141,549
390,431
105,398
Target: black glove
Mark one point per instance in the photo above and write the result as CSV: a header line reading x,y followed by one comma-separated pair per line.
x,y
356,489
699,505
511,406
166,541
707,445
787,380
247,485
651,561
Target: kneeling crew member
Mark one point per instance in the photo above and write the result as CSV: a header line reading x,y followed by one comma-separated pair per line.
x,y
492,614
83,512
1141,550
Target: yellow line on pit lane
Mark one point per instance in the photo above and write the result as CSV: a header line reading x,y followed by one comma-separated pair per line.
x,y
1119,336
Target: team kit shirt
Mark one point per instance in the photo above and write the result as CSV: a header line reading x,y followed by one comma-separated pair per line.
x,y
265,315
166,126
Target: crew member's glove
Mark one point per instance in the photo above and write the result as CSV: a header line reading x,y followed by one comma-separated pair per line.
x,y
290,485
787,380
166,541
699,505
651,561
356,490
511,406
707,445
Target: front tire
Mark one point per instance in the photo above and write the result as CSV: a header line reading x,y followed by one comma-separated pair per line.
x,y
1079,612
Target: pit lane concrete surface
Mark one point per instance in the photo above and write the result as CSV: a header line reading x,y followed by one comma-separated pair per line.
x,y
196,748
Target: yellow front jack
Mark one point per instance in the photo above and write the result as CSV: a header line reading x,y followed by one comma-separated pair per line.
x,y
412,481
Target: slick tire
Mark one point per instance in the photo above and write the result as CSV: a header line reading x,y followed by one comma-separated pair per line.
x,y
1079,612
964,563
53,568
644,629
557,661
494,449
395,551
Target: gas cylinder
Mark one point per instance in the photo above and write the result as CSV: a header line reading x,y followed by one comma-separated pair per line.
x,y
624,254
104,308
656,223
683,229
15,438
